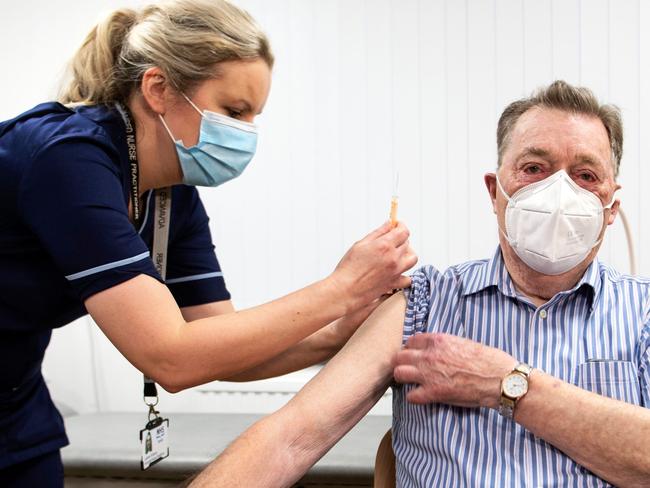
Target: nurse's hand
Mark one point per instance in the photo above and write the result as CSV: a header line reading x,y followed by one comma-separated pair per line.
x,y
374,265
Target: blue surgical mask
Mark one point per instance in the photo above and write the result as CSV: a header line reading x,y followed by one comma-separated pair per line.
x,y
225,148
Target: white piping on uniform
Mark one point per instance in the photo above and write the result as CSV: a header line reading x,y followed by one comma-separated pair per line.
x,y
203,276
104,267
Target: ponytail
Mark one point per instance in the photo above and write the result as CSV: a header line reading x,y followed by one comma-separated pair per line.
x,y
93,68
186,39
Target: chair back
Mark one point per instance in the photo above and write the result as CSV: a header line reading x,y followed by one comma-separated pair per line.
x,y
385,463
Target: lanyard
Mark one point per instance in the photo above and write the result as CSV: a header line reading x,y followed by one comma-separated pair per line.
x,y
159,256
133,163
163,201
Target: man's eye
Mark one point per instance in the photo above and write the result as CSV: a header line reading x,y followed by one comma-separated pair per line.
x,y
532,169
586,177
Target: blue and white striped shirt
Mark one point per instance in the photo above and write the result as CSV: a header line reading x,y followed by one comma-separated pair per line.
x,y
595,336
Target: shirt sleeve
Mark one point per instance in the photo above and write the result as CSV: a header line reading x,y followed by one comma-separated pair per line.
x,y
194,275
418,303
73,201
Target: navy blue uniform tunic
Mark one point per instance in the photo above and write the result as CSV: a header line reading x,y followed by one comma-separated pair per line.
x,y
65,235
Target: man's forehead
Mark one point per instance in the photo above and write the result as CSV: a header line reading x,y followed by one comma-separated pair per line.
x,y
546,132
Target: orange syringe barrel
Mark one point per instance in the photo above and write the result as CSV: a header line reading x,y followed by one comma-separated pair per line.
x,y
393,211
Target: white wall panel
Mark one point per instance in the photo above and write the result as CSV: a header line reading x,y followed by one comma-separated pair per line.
x,y
381,107
643,205
538,43
624,92
435,226
327,168
456,128
565,39
481,114
359,87
406,109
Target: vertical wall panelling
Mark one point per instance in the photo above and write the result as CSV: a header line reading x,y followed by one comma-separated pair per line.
x,y
538,43
481,123
565,39
381,64
457,141
433,135
643,163
303,147
327,114
351,125
509,53
624,91
405,75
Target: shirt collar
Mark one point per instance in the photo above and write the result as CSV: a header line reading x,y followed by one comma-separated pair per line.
x,y
490,273
494,273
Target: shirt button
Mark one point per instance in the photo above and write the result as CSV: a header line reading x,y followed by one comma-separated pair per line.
x,y
542,314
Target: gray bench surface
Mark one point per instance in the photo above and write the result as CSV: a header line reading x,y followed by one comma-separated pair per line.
x,y
107,445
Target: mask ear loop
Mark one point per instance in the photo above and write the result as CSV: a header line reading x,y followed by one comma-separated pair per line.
x,y
167,128
503,192
193,105
605,207
512,242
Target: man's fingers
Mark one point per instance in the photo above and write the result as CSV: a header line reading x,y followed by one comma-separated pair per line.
x,y
407,374
423,341
419,396
406,357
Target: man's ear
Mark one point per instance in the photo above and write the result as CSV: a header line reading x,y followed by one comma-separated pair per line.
x,y
613,212
490,180
155,90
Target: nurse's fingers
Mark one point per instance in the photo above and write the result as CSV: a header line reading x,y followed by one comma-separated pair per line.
x,y
393,236
397,235
378,232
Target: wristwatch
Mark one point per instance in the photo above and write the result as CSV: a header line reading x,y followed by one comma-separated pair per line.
x,y
514,385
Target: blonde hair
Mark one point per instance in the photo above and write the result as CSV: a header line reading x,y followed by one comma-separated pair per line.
x,y
574,99
186,39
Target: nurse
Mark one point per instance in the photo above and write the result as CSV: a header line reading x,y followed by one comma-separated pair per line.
x,y
161,100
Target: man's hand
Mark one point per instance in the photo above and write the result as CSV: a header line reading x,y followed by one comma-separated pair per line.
x,y
452,370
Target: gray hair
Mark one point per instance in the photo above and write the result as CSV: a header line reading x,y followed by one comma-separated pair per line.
x,y
564,96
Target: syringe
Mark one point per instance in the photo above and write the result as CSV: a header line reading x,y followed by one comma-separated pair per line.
x,y
394,200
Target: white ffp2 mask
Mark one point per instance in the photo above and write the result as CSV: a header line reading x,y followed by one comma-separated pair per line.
x,y
553,224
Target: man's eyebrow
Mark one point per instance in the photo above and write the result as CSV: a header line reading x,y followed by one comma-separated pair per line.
x,y
590,160
535,151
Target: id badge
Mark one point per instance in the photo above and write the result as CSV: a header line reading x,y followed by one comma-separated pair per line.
x,y
154,442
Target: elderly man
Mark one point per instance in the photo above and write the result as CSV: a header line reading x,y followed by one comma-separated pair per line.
x,y
531,368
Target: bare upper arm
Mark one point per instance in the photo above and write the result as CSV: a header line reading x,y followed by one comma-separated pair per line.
x,y
197,312
138,317
353,381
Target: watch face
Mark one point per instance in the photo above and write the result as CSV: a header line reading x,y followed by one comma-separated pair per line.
x,y
515,385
